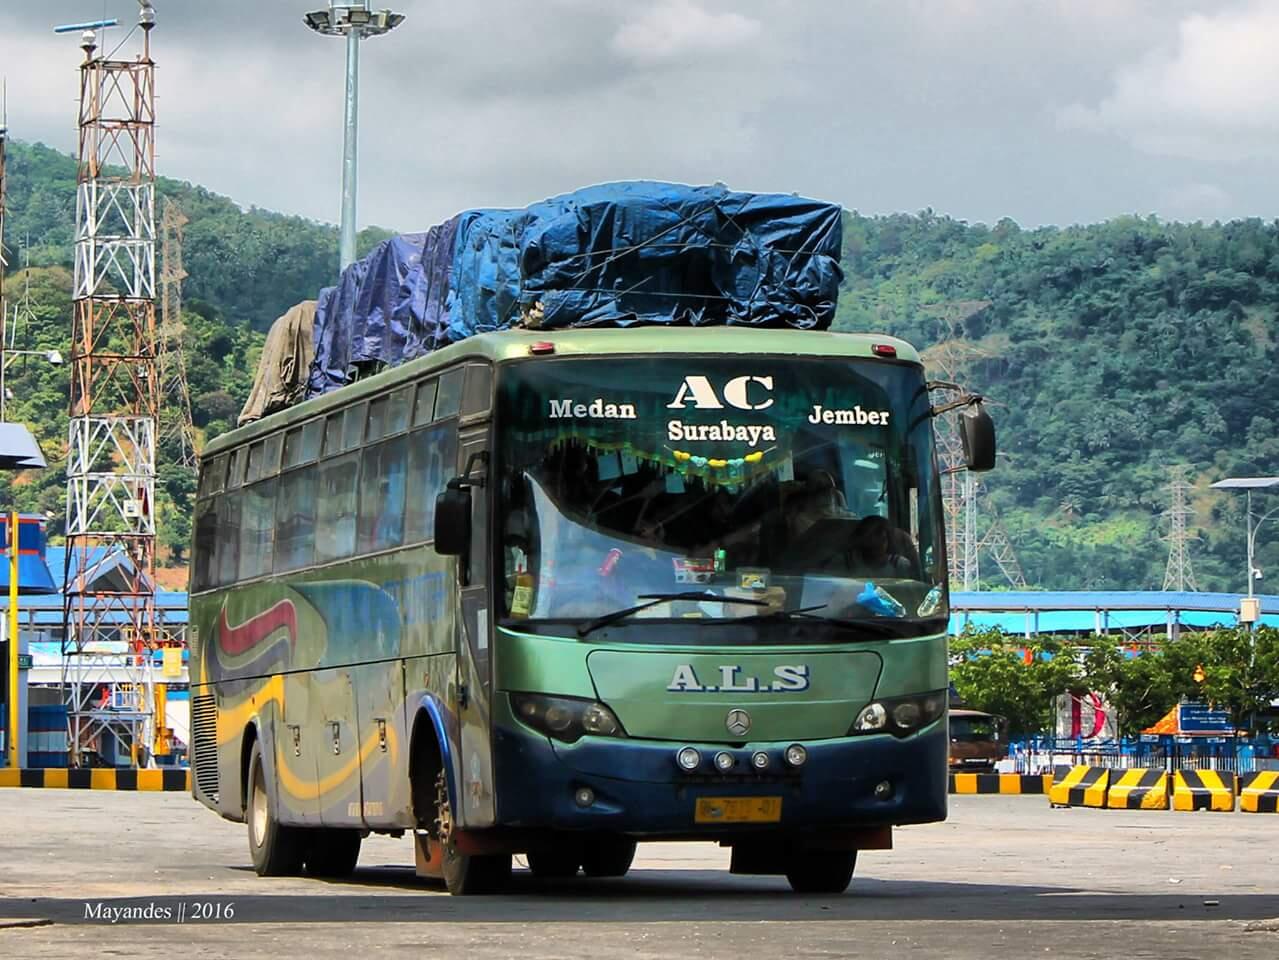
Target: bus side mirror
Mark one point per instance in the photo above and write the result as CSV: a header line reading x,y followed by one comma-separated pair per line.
x,y
977,431
453,521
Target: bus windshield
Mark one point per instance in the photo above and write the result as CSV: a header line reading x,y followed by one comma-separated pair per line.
x,y
792,482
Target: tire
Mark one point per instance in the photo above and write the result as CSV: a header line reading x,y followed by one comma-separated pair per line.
x,y
556,861
821,871
275,848
608,857
332,853
465,875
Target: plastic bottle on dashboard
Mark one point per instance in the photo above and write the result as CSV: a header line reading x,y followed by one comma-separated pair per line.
x,y
931,604
880,602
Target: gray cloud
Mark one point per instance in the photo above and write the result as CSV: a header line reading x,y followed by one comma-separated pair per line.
x,y
1057,111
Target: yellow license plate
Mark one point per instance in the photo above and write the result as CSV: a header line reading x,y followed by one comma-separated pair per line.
x,y
738,810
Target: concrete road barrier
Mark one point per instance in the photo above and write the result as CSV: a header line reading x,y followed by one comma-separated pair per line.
x,y
87,778
1259,792
1006,783
1138,788
1079,786
1203,790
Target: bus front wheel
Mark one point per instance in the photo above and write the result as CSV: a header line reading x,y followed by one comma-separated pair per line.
x,y
608,857
276,849
821,871
465,874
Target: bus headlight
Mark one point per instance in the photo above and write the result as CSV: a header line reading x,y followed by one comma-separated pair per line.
x,y
566,718
872,719
900,716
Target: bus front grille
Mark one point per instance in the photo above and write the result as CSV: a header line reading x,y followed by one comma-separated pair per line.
x,y
204,748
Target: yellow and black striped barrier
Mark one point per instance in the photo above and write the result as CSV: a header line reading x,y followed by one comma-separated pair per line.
x,y
175,779
1259,792
1138,788
1203,790
1079,786
1007,783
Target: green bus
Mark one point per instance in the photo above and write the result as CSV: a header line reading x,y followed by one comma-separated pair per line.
x,y
554,593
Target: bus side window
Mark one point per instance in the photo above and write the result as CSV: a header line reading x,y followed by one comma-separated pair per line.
x,y
353,426
449,400
424,408
295,520
382,496
333,434
432,463
206,533
212,476
257,529
477,396
399,411
335,524
228,538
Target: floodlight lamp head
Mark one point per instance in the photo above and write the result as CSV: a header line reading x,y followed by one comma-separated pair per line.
x,y
54,357
88,41
319,21
146,14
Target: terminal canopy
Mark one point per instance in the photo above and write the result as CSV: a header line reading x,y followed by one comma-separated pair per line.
x,y
19,449
1247,483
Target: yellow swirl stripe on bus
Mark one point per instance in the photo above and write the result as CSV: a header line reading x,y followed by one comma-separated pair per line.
x,y
234,720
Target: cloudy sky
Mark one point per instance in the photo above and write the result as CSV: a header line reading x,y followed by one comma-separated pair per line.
x,y
1054,111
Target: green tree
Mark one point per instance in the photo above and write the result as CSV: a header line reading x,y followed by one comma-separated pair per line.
x,y
990,672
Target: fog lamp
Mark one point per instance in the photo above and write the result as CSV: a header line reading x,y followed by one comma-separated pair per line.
x,y
688,759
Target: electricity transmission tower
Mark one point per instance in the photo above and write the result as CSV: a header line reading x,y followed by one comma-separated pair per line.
x,y
110,534
951,359
176,430
1179,575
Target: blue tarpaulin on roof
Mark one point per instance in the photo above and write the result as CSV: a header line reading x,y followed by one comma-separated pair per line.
x,y
617,254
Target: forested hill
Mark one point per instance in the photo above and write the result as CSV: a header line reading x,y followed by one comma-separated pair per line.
x,y
1111,352
249,265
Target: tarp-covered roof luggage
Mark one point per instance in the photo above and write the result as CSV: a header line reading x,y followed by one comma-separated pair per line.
x,y
282,372
616,254
626,253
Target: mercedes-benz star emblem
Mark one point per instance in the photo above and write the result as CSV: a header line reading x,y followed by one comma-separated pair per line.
x,y
738,722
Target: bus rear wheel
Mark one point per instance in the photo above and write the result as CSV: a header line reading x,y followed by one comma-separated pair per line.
x,y
821,871
465,874
275,848
608,857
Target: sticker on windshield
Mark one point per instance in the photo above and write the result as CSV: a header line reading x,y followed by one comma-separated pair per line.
x,y
752,578
693,570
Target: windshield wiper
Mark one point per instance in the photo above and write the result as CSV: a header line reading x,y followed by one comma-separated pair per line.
x,y
653,599
798,613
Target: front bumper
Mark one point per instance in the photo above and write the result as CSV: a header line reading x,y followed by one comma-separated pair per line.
x,y
639,790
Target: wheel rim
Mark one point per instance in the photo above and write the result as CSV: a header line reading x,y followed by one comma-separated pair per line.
x,y
259,808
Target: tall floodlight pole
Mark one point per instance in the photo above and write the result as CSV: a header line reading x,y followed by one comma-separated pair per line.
x,y
354,21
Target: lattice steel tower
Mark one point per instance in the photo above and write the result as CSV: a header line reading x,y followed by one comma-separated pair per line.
x,y
952,357
176,429
1179,575
114,402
